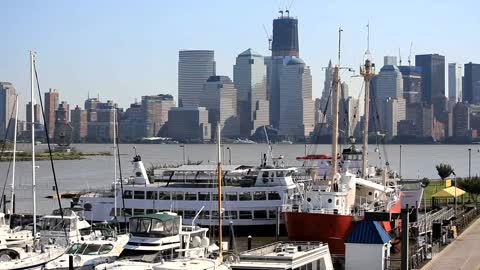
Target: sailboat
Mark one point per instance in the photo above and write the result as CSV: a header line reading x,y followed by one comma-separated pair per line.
x,y
331,206
35,256
13,237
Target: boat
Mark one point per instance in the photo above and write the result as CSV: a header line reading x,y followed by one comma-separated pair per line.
x,y
332,204
284,255
254,195
243,141
105,248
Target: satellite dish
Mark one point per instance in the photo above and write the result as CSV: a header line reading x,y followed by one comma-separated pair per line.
x,y
63,134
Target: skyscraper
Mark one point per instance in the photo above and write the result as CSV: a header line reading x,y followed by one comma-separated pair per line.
x,y
395,111
284,47
390,61
412,83
79,124
285,36
472,76
155,113
388,83
51,105
433,80
37,114
249,77
219,97
194,68
455,82
7,107
297,118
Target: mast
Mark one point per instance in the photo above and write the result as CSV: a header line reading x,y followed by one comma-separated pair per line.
x,y
115,160
219,184
34,185
335,105
367,71
12,201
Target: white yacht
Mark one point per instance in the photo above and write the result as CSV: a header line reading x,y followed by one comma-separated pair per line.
x,y
252,195
13,237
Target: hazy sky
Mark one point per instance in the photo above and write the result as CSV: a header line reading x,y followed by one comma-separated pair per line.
x,y
122,50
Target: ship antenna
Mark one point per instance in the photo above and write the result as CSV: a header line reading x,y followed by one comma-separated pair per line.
x,y
340,30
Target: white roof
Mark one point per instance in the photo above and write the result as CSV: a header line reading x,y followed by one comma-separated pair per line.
x,y
207,168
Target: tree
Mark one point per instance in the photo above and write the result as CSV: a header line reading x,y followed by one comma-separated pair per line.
x,y
444,170
472,186
425,182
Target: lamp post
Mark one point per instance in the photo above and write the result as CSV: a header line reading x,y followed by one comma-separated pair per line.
x,y
183,146
229,155
469,162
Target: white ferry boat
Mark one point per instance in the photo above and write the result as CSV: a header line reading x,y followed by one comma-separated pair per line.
x,y
253,196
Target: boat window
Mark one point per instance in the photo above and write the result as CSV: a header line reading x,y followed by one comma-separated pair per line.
x,y
189,214
272,214
163,195
144,225
289,173
215,197
74,248
139,194
280,173
81,249
138,212
259,195
232,215
204,196
190,196
151,195
105,249
260,214
265,174
245,196
272,174
127,194
273,195
91,249
177,196
151,211
231,196
245,214
337,202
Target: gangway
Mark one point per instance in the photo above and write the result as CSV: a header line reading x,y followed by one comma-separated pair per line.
x,y
424,223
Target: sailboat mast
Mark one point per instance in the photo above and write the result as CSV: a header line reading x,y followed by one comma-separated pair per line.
x,y
34,185
335,104
219,184
12,201
367,72
115,160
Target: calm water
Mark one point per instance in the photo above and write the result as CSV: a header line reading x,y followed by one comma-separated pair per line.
x,y
75,175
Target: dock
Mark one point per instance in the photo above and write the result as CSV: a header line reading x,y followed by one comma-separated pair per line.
x,y
460,254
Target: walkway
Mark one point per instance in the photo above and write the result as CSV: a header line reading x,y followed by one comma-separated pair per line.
x,y
463,253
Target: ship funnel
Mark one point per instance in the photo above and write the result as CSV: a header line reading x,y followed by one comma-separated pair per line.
x,y
139,172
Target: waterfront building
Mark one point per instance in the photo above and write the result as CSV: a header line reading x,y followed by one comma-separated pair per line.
x,y
433,80
455,82
220,99
131,125
349,116
249,77
471,87
394,112
327,89
52,99
7,107
296,104
100,122
155,110
189,125
79,124
37,115
194,68
412,83
461,120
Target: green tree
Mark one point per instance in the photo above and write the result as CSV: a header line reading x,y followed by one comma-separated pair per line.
x,y
472,186
444,170
425,182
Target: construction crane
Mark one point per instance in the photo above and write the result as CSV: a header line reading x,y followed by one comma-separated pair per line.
x,y
410,55
269,38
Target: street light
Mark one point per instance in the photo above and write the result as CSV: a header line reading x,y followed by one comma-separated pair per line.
x,y
469,162
184,147
229,155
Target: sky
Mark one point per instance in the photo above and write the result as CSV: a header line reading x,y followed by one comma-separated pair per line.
x,y
122,50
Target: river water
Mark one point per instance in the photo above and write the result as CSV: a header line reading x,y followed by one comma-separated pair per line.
x,y
94,172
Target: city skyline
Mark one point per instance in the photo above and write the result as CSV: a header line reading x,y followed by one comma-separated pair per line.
x,y
91,50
